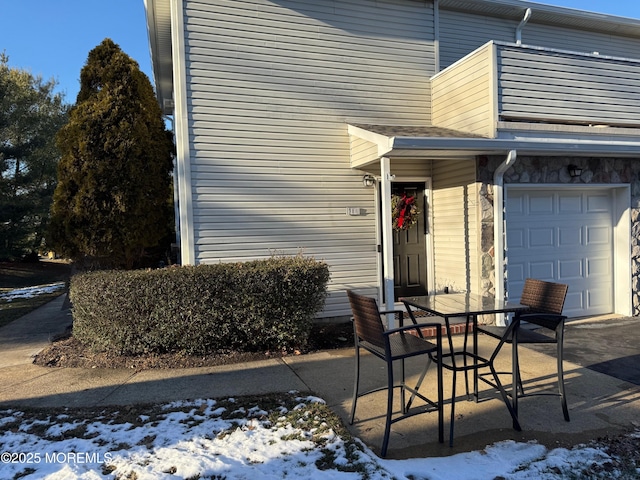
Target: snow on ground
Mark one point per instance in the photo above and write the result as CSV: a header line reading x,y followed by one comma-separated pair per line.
x,y
30,292
266,438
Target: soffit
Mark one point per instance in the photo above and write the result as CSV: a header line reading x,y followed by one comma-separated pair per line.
x,y
159,33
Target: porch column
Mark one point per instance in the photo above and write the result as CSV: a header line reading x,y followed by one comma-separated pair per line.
x,y
499,229
387,238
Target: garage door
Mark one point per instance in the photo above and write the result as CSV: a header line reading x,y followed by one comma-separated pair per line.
x,y
564,236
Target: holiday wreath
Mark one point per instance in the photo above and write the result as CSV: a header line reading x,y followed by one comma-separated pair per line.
x,y
404,211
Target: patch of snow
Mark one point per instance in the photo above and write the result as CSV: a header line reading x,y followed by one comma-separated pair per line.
x,y
30,292
198,443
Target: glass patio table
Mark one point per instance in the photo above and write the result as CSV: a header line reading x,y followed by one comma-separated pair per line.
x,y
457,308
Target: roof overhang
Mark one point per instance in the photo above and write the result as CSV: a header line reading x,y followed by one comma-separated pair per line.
x,y
159,29
159,33
397,142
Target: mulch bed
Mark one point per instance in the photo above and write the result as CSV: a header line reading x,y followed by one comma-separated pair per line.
x,y
69,352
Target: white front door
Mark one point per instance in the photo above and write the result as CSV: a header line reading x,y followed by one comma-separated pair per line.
x,y
563,235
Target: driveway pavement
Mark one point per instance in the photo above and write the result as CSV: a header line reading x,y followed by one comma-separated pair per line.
x,y
611,347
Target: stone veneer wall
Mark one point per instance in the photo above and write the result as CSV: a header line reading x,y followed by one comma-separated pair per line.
x,y
553,170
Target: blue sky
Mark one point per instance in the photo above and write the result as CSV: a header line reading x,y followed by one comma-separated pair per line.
x,y
52,38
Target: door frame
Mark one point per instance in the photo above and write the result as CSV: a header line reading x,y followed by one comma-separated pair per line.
x,y
428,236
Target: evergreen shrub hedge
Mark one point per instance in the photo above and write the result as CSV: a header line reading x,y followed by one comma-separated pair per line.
x,y
253,306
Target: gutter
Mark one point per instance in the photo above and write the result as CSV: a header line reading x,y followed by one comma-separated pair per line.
x,y
498,227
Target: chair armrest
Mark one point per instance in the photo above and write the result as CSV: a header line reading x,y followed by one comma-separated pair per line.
x,y
546,320
495,331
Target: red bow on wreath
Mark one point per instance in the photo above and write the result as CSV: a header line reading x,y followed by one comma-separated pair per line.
x,y
405,208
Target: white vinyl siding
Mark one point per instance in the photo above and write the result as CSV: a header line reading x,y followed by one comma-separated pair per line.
x,y
455,225
461,33
268,112
509,82
562,87
406,168
462,95
580,40
363,151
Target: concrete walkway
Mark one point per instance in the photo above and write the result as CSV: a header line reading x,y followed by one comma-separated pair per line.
x,y
599,403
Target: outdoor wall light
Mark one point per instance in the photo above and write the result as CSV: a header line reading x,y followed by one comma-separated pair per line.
x,y
574,171
368,180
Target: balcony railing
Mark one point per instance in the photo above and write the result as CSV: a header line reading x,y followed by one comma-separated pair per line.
x,y
500,83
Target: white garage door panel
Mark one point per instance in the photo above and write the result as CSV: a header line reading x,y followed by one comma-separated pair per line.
x,y
570,269
575,301
570,236
565,237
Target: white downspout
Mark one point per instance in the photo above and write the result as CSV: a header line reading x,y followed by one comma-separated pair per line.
x,y
387,238
523,22
498,226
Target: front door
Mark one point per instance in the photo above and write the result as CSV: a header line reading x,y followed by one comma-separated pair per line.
x,y
409,241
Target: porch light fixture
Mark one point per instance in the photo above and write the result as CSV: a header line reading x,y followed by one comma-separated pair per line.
x,y
368,180
574,171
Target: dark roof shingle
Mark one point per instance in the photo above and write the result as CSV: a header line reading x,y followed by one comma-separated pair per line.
x,y
416,131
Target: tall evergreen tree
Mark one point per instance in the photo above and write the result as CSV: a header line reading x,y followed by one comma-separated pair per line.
x,y
113,198
30,116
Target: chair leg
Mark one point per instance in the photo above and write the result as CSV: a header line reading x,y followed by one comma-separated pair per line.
x,y
387,427
403,399
440,395
453,408
563,396
518,375
355,386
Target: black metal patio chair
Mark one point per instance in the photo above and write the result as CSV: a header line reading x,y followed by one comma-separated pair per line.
x,y
392,345
546,301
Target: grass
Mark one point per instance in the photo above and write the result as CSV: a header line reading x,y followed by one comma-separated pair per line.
x,y
20,275
307,419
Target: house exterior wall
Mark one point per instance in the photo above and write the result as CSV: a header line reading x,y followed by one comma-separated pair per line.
x,y
463,97
563,87
408,168
502,83
463,32
580,40
553,170
455,225
363,150
266,117
267,109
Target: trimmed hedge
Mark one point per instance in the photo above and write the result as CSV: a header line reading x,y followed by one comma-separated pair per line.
x,y
254,306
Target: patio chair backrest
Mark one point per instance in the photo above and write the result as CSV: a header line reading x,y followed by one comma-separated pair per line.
x,y
366,316
544,297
